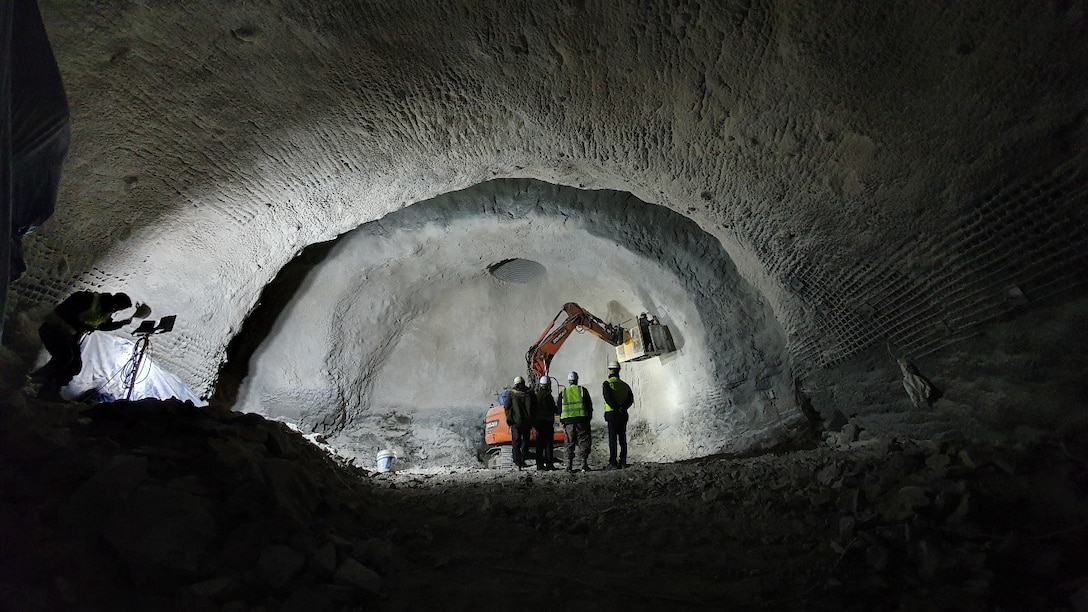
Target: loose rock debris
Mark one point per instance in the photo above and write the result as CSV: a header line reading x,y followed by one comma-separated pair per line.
x,y
162,506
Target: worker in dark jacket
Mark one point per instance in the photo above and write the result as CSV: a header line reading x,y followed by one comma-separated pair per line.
x,y
617,399
575,412
519,415
544,425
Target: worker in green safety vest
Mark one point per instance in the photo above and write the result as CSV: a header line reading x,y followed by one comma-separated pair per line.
x,y
575,412
617,399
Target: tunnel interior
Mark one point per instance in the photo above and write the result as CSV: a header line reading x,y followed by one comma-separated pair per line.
x,y
864,223
855,218
402,335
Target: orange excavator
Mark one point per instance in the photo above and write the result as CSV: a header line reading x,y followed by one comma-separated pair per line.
x,y
649,338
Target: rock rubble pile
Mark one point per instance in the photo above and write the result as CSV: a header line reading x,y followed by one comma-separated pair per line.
x,y
162,506
159,505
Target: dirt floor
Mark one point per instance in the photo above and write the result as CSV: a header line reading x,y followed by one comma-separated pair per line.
x,y
158,505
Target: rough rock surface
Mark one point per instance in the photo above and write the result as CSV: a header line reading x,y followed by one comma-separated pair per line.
x,y
163,506
880,175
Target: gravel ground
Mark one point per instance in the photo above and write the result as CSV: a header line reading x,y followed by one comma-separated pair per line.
x,y
159,505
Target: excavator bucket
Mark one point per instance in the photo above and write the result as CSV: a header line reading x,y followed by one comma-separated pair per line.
x,y
648,339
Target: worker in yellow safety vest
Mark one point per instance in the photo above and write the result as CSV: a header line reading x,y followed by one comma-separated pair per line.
x,y
617,399
64,328
575,412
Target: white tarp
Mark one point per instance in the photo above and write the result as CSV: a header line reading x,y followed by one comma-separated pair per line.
x,y
107,366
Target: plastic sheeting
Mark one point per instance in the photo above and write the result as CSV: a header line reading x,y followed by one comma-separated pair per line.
x,y
6,245
107,367
34,132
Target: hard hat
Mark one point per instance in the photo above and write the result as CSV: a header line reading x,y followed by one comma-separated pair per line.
x,y
519,380
613,365
572,376
545,381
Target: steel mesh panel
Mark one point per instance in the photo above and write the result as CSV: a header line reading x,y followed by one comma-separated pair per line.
x,y
518,271
1020,243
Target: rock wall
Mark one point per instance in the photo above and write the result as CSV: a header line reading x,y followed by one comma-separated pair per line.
x,y
878,174
1013,379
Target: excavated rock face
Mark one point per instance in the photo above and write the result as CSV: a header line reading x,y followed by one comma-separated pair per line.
x,y
827,184
402,322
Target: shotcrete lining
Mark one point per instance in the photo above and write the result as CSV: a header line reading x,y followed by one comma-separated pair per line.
x,y
401,319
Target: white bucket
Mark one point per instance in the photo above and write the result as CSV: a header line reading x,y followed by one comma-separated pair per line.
x,y
385,460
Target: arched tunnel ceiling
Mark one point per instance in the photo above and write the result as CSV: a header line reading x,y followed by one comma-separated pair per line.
x,y
881,175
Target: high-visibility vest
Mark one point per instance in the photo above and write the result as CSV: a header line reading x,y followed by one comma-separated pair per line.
x,y
572,403
620,392
94,316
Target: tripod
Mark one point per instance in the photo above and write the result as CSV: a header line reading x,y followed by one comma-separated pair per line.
x,y
143,335
143,344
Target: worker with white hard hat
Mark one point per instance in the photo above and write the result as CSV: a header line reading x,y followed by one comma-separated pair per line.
x,y
544,414
519,416
575,412
617,399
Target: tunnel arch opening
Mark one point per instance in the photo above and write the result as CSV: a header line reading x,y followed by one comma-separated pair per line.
x,y
396,335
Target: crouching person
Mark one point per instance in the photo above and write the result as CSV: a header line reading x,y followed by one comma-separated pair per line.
x,y
62,332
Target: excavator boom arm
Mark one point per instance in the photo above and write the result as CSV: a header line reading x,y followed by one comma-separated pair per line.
x,y
540,354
